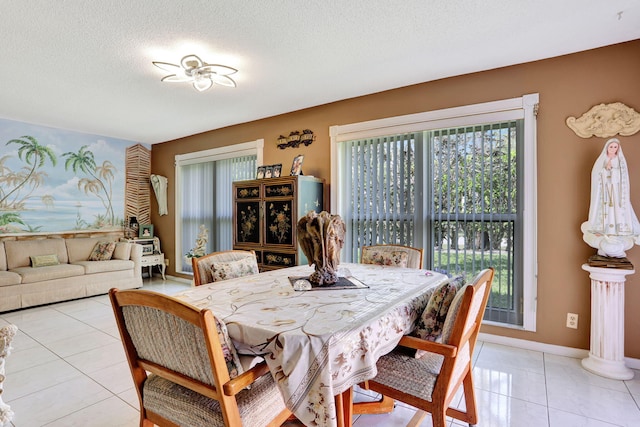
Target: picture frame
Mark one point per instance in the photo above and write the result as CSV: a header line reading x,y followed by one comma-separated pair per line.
x,y
260,172
147,249
268,171
146,231
296,165
277,170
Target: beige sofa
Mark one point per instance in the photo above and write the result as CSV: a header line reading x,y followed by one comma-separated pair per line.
x,y
22,285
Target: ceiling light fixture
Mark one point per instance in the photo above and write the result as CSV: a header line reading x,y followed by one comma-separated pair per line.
x,y
193,70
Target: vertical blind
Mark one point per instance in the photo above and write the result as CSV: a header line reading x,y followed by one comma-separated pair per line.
x,y
206,198
474,221
452,191
381,208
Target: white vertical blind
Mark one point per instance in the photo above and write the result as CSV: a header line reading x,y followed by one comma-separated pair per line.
x,y
381,179
474,217
207,199
443,216
197,202
204,195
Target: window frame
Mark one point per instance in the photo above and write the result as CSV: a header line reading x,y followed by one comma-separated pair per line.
x,y
524,107
249,148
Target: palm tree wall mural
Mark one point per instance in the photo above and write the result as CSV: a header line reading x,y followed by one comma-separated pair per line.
x,y
54,180
99,182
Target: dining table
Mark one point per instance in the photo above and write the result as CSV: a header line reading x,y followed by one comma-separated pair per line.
x,y
319,342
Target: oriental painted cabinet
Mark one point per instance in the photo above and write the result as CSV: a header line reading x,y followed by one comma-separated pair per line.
x,y
266,213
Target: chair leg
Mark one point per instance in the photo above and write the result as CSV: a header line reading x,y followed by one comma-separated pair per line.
x,y
470,399
439,418
417,418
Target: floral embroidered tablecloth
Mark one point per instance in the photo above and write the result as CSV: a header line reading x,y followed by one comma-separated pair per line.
x,y
318,343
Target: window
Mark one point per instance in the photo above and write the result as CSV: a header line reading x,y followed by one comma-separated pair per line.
x,y
459,182
204,195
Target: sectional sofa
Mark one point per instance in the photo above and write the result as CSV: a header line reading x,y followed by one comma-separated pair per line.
x,y
42,271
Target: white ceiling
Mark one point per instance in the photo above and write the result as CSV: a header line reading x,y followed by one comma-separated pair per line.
x,y
85,65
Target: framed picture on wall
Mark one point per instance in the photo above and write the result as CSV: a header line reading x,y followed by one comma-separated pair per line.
x,y
296,166
146,231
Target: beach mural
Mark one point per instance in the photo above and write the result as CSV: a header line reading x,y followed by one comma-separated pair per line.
x,y
55,180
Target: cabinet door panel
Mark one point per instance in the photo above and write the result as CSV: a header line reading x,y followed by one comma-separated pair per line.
x,y
248,222
279,190
277,259
250,192
279,222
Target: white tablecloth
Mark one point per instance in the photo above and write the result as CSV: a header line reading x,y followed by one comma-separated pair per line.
x,y
318,343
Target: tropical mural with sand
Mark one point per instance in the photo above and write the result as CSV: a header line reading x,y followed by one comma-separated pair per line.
x,y
55,180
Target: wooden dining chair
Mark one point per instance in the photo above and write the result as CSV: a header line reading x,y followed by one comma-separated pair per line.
x,y
224,265
396,255
181,360
431,381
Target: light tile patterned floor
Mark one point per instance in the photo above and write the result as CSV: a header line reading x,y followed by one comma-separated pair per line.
x,y
68,368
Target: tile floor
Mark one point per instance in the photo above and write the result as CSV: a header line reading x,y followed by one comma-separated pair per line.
x,y
67,368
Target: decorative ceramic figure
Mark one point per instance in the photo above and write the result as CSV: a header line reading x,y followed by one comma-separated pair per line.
x,y
612,227
321,237
201,245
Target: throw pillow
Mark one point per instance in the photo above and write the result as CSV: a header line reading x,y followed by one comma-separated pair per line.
x,y
232,269
122,251
44,260
234,365
447,328
102,251
382,257
431,323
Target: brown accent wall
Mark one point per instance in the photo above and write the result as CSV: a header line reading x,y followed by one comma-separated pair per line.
x,y
568,86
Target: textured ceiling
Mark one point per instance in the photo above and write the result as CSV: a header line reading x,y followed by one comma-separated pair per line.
x,y
85,65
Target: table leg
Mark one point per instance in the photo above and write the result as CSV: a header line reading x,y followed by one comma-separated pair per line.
x,y
344,408
163,267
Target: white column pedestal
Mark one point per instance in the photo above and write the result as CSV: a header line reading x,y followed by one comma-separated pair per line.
x,y
606,352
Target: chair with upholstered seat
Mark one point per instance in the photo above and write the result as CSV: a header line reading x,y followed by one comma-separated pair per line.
x,y
224,265
396,255
185,369
430,382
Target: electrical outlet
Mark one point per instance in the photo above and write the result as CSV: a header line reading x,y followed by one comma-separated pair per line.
x,y
166,262
572,320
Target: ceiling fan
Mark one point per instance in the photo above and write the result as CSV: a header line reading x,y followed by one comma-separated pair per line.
x,y
193,70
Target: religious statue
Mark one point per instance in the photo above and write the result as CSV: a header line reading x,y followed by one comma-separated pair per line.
x,y
321,237
612,227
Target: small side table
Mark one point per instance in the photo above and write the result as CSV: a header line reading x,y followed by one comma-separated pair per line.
x,y
155,259
606,349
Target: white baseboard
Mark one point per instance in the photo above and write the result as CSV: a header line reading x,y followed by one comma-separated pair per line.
x,y
547,348
179,279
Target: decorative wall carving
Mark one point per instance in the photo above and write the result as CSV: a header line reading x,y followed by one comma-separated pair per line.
x,y
606,120
296,138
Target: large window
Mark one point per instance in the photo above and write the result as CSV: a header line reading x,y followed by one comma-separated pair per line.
x,y
459,183
204,195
